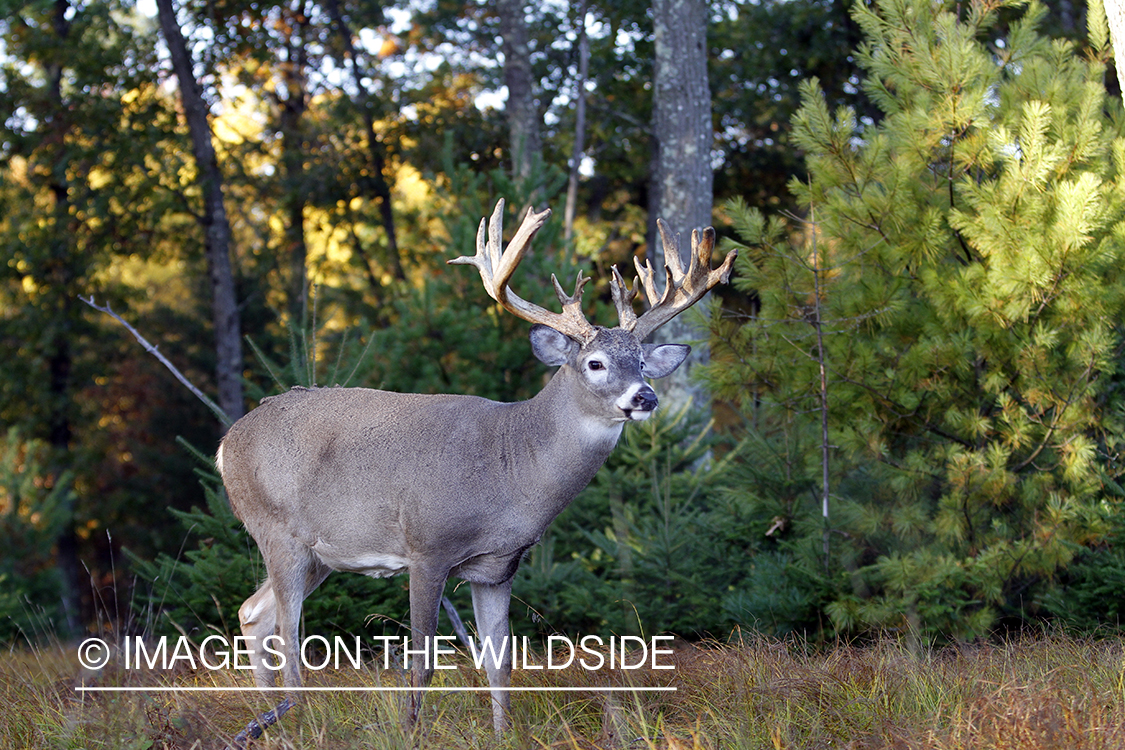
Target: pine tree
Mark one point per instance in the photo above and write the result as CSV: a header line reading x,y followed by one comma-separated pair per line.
x,y
961,257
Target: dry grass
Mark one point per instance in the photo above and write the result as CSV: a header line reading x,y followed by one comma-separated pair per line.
x,y
1034,694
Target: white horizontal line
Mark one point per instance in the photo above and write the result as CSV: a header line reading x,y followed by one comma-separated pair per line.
x,y
396,689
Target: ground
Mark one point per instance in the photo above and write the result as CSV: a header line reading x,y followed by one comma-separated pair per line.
x,y
1032,693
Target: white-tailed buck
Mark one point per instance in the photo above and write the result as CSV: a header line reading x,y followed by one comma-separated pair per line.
x,y
437,485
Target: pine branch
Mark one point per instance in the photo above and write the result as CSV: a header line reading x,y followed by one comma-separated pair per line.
x,y
1057,416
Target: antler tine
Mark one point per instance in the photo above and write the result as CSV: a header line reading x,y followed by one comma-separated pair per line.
x,y
646,278
496,266
671,242
623,298
682,290
572,318
569,301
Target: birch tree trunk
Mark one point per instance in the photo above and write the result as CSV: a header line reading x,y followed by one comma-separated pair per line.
x,y
217,235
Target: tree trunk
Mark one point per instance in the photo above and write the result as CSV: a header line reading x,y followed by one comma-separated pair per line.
x,y
217,235
291,110
61,276
377,167
521,109
579,123
682,183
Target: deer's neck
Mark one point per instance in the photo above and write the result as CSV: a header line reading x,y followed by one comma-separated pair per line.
x,y
560,407
566,443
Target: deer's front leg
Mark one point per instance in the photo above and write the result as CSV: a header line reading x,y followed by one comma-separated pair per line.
x,y
490,607
425,599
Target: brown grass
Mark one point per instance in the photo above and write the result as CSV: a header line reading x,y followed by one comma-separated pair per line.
x,y
1035,693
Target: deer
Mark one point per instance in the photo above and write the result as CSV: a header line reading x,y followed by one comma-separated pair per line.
x,y
382,483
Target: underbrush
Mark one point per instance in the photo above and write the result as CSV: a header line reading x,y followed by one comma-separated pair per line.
x,y
1031,693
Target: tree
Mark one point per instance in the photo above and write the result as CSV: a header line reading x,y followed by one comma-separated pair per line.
x,y
81,127
522,110
970,283
760,54
1115,12
376,151
681,119
682,191
224,306
35,507
290,100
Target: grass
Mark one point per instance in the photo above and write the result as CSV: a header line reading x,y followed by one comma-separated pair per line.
x,y
1033,693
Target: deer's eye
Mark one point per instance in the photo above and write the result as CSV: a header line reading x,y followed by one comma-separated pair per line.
x,y
595,364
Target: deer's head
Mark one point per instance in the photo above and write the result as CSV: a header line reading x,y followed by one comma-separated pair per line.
x,y
610,362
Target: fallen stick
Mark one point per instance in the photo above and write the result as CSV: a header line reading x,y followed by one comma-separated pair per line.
x,y
258,724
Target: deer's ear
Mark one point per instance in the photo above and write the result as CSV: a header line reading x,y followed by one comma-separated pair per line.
x,y
663,359
551,347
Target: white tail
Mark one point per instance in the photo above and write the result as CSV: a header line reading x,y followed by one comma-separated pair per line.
x,y
382,483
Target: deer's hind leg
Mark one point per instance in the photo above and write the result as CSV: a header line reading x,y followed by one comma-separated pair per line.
x,y
262,616
257,618
275,610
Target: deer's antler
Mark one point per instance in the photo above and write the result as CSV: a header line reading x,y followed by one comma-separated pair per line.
x,y
681,290
496,267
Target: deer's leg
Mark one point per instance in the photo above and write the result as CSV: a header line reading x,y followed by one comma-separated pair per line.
x,y
490,608
258,619
293,574
425,599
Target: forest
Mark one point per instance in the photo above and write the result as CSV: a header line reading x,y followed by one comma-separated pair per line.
x,y
905,417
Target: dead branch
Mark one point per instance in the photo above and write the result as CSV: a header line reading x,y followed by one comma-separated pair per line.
x,y
151,349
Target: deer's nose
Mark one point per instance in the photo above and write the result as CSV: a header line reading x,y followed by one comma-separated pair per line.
x,y
645,399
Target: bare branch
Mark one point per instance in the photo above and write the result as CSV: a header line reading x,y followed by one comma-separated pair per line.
x,y
151,349
259,724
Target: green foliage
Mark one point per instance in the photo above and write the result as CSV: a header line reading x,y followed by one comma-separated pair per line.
x,y
773,46
965,255
777,481
962,257
89,201
203,589
649,547
1086,597
34,508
